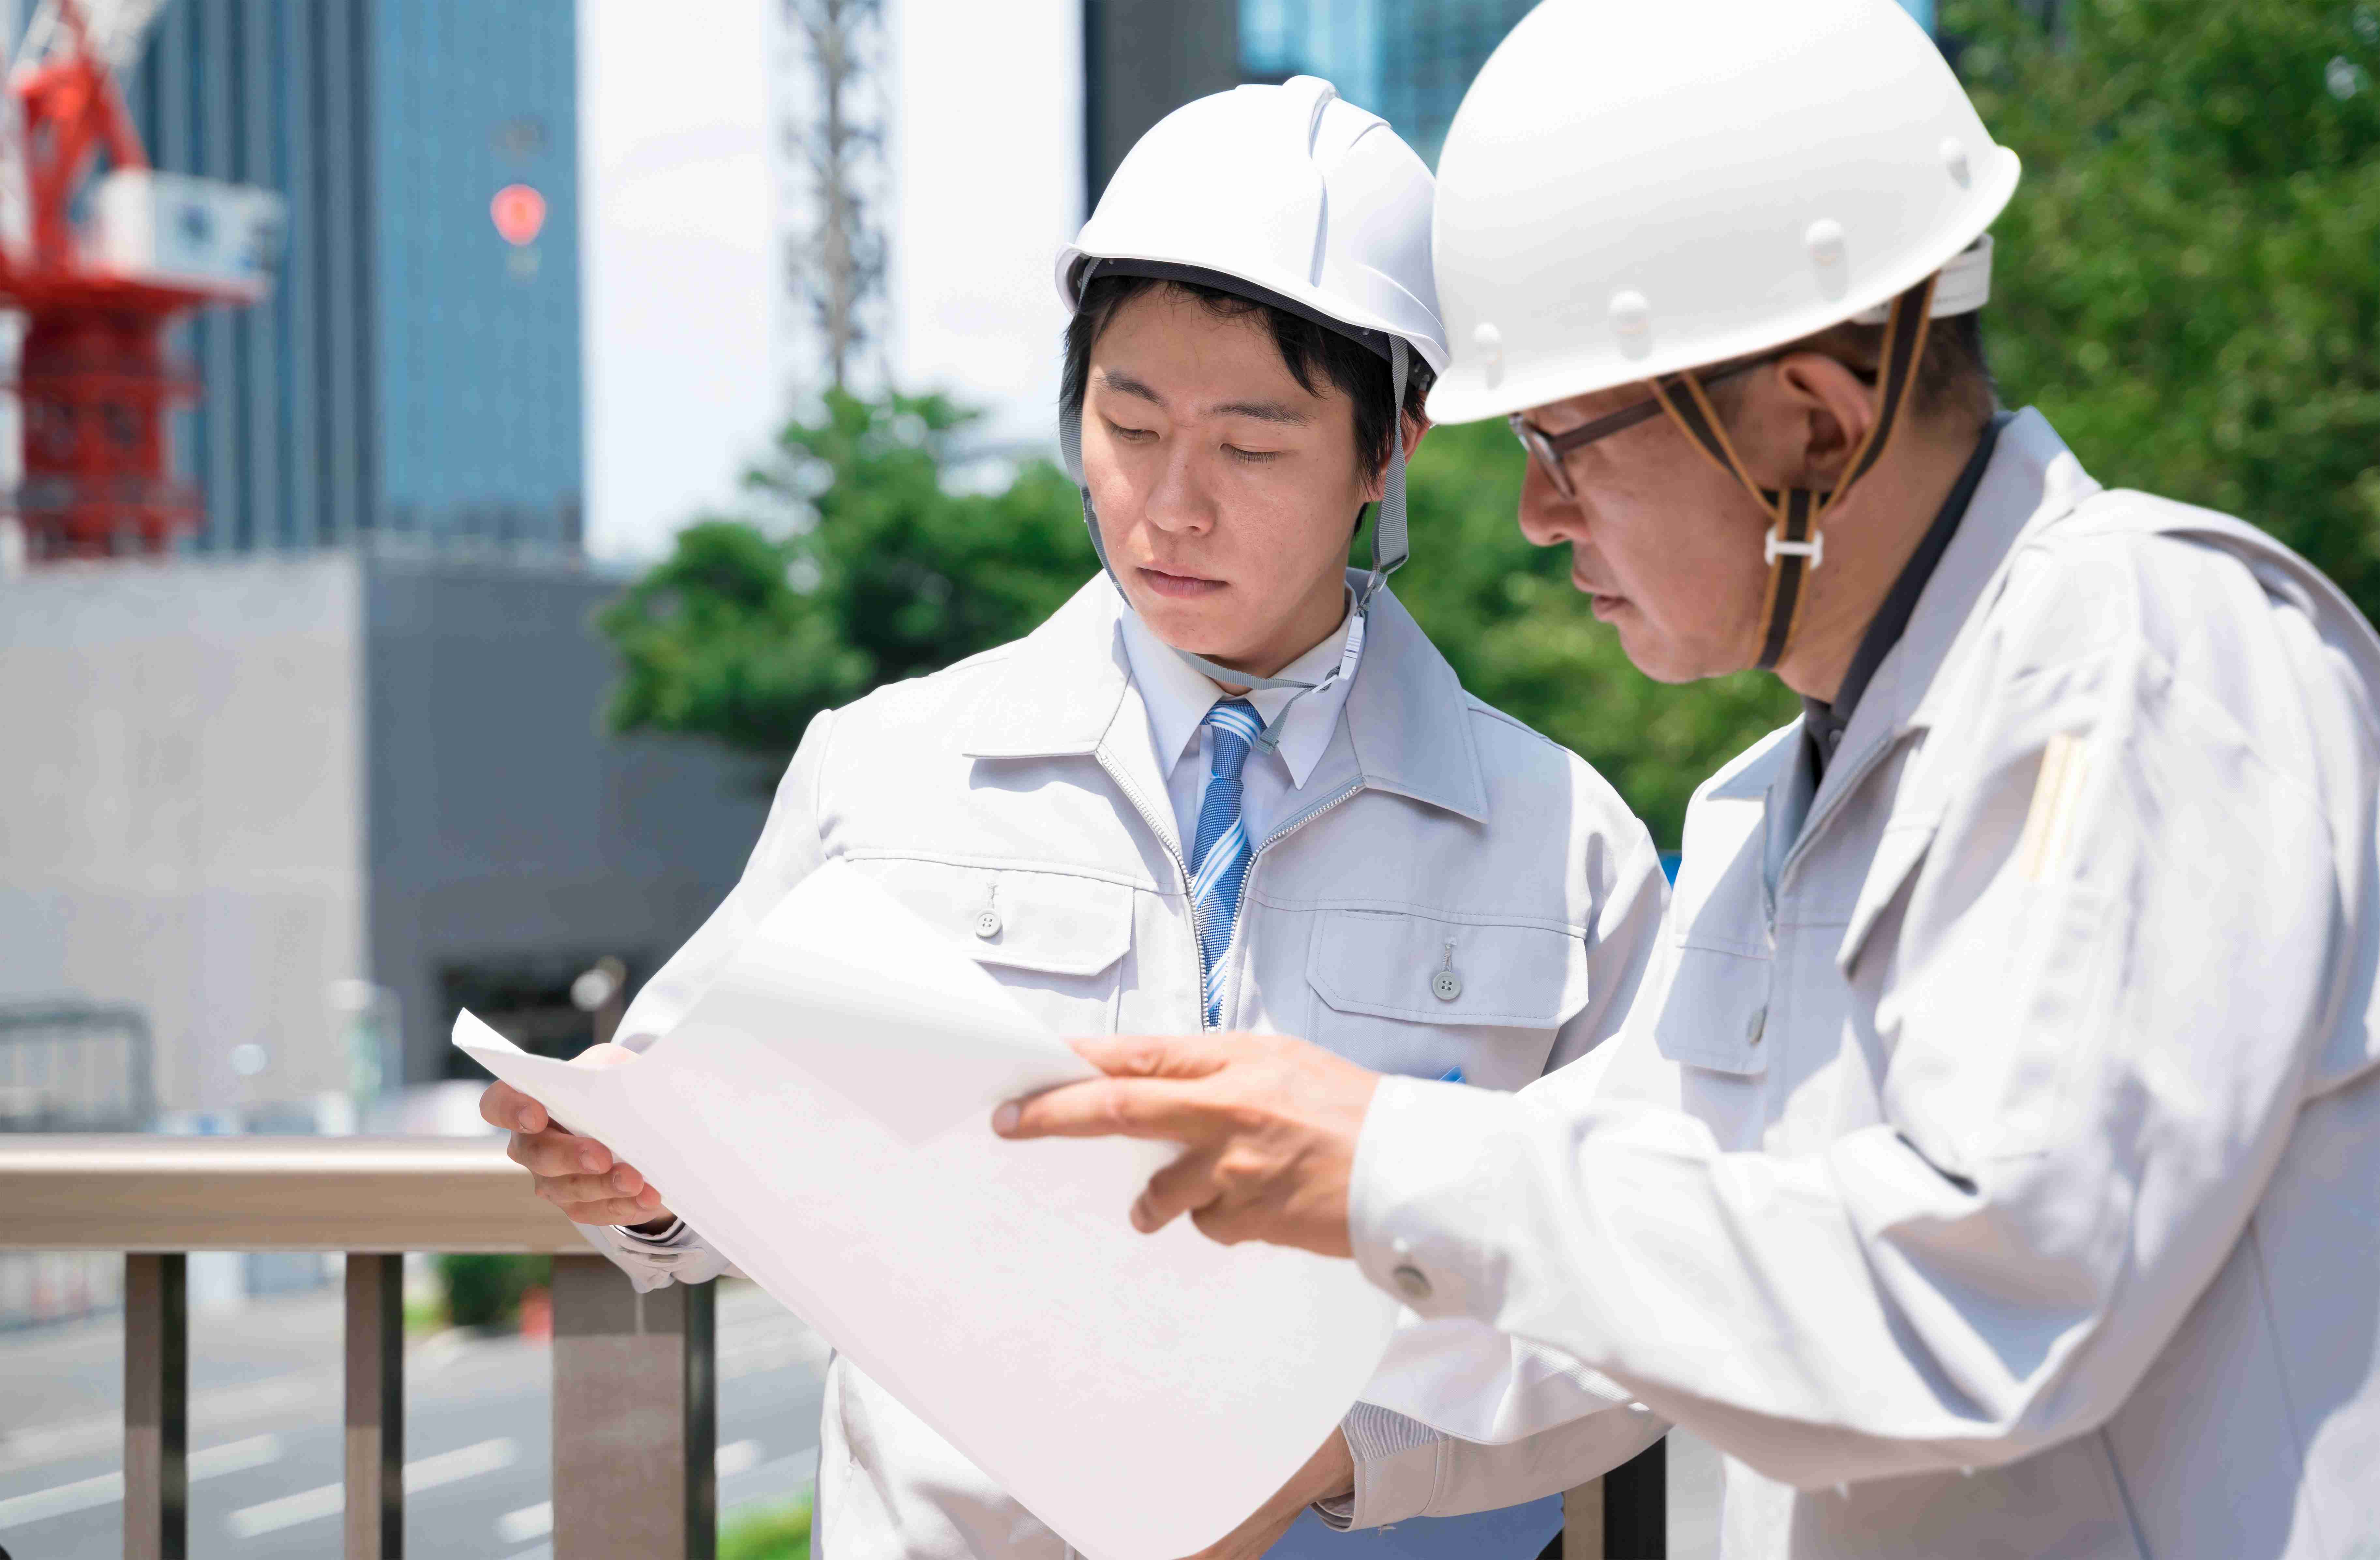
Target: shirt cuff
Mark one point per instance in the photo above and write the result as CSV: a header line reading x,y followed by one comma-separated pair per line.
x,y
676,1238
1397,1468
1427,1195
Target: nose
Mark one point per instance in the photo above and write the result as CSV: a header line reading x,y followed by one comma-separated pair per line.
x,y
1546,517
1179,499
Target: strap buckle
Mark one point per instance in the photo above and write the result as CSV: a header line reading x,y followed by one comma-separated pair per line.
x,y
1775,547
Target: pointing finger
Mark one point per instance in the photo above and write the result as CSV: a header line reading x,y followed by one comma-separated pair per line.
x,y
1147,1056
1109,1107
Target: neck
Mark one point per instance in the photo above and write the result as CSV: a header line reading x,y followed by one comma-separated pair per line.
x,y
1869,539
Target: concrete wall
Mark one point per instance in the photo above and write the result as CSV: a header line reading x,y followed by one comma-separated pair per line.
x,y
181,809
231,788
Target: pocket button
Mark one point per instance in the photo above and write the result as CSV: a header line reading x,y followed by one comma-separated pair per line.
x,y
1446,985
986,925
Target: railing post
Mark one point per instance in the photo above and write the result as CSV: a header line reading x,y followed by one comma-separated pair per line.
x,y
375,1415
156,1406
1622,1516
635,1417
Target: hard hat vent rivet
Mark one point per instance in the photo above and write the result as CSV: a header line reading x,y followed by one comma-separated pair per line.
x,y
1954,158
1490,343
1632,318
1826,240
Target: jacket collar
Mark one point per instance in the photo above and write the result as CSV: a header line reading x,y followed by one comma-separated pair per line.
x,y
2034,481
1063,689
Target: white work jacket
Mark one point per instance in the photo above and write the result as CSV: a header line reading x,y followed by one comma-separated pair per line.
x,y
1992,1165
1433,834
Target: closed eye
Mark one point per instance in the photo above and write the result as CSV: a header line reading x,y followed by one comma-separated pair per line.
x,y
1130,435
1253,457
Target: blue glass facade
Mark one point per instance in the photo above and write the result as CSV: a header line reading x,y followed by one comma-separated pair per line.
x,y
1406,60
414,373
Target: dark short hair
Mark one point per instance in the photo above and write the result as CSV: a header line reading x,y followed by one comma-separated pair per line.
x,y
1954,378
1315,355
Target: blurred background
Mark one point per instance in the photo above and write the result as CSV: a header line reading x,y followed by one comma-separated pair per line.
x,y
533,412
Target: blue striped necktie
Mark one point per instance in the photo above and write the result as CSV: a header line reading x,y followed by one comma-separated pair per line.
x,y
1219,862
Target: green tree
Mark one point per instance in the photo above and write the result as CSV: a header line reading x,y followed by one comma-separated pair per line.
x,y
861,568
2188,286
2189,278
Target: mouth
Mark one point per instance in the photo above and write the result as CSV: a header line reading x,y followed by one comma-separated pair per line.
x,y
1603,604
1178,587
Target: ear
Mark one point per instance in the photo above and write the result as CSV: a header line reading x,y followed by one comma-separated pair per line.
x,y
1820,413
1410,433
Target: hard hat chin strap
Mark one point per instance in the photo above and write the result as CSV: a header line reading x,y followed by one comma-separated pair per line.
x,y
1795,543
1390,549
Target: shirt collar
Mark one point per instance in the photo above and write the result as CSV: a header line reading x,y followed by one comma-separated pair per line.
x,y
1178,696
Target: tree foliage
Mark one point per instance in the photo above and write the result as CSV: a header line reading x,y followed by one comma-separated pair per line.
x,y
860,566
2188,283
2189,278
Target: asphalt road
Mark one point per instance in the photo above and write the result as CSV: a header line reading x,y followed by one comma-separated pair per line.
x,y
265,1441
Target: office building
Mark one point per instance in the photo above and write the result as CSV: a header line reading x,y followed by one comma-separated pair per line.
x,y
416,373
1408,61
290,811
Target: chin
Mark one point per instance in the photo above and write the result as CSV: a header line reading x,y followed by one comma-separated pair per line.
x,y
1658,659
1196,627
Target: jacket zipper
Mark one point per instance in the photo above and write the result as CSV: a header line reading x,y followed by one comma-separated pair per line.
x,y
1181,869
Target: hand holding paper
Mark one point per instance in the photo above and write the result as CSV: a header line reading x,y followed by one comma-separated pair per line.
x,y
822,1118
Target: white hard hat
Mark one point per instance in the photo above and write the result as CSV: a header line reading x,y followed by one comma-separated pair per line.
x,y
1296,198
1290,188
1629,190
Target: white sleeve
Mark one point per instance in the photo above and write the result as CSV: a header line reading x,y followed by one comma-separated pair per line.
x,y
789,850
675,1256
2099,1031
1404,1468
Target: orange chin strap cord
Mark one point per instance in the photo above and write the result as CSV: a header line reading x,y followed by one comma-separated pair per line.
x,y
1795,544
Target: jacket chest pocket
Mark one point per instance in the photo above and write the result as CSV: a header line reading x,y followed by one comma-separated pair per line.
x,y
1058,942
1430,997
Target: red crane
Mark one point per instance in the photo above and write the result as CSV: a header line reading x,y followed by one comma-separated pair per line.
x,y
95,380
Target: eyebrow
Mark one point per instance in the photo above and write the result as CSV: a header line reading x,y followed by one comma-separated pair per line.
x,y
1262,411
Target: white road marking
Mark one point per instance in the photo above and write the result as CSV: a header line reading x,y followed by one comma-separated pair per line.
x,y
536,1521
107,1489
528,1522
329,1499
103,1432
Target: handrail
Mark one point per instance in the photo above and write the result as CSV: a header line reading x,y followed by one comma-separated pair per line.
x,y
634,1414
126,1192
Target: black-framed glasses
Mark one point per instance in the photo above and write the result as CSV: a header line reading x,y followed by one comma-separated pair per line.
x,y
1549,450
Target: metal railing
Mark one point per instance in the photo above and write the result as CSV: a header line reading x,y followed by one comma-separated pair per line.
x,y
635,1411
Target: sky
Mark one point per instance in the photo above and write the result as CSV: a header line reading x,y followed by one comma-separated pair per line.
x,y
694,351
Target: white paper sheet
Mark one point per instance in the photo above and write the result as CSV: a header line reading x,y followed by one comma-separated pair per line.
x,y
823,1116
